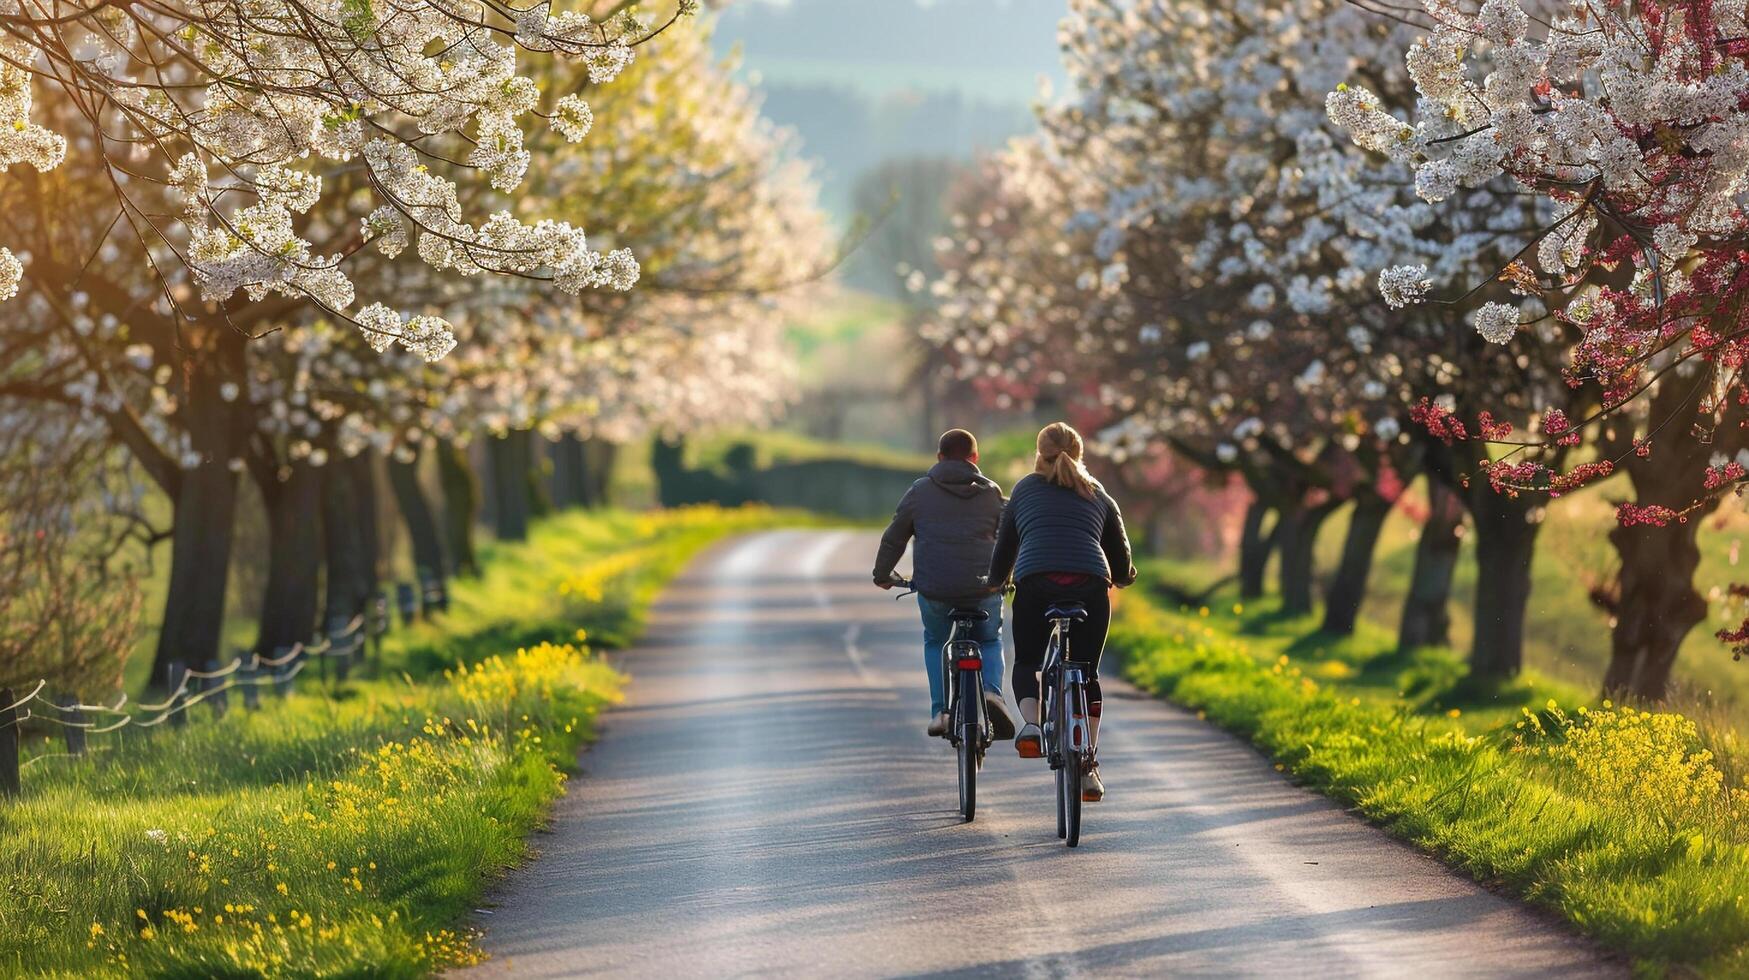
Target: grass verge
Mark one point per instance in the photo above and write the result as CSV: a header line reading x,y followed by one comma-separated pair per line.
x,y
342,831
1620,820
1566,633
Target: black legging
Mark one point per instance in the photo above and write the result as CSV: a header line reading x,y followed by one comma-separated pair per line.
x,y
1032,596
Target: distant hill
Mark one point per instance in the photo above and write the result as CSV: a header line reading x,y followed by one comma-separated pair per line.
x,y
866,81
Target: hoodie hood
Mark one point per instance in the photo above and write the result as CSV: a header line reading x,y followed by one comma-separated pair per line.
x,y
960,478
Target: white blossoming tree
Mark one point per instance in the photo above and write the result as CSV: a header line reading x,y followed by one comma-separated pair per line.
x,y
217,125
1216,245
726,226
1626,123
133,327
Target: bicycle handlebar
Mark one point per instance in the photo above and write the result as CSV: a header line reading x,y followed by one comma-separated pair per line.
x,y
897,581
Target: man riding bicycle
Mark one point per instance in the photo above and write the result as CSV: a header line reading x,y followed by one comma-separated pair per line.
x,y
952,513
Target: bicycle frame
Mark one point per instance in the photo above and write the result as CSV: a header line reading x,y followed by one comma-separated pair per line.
x,y
958,655
968,721
1064,695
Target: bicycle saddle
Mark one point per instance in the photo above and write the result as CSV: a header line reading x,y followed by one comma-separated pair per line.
x,y
970,615
1067,610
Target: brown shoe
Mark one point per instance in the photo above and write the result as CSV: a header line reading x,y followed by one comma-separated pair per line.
x,y
1092,787
1030,743
1001,722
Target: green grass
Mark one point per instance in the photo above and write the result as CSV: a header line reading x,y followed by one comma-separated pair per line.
x,y
1566,636
777,447
344,830
1427,682
1618,820
848,324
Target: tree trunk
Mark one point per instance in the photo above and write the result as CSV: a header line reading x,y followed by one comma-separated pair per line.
x,y
370,538
294,558
204,510
1657,607
1426,614
1254,549
507,463
1655,603
349,578
598,458
422,528
569,468
1348,588
478,460
200,560
461,501
1298,533
668,461
1505,547
534,474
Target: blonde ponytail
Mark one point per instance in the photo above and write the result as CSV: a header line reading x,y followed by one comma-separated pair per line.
x,y
1059,460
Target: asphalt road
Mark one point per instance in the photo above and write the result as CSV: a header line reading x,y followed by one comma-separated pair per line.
x,y
766,803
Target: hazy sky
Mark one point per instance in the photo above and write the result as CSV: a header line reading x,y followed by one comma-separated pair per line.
x,y
990,50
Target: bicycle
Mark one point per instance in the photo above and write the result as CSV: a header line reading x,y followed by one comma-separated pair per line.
x,y
962,670
1063,714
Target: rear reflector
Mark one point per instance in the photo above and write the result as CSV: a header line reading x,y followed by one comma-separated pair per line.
x,y
970,663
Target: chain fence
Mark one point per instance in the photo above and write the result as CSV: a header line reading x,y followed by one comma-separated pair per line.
x,y
333,653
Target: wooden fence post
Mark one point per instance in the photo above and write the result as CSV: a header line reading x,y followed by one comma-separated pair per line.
x,y
8,744
283,678
216,685
406,603
339,636
431,596
75,718
377,621
177,671
249,675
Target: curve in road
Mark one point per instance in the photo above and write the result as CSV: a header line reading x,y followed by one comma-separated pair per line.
x,y
766,803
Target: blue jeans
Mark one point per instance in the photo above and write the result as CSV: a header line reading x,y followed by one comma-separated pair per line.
x,y
938,623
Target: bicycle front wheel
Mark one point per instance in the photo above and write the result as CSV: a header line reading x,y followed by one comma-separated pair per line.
x,y
1062,808
1072,802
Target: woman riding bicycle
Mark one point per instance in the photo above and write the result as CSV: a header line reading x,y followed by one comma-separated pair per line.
x,y
1062,539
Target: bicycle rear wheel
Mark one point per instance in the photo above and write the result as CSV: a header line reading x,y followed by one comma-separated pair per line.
x,y
1072,802
1070,782
967,725
968,779
1049,723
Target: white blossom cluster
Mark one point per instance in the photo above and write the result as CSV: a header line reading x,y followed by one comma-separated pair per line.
x,y
1191,229
1497,322
1403,285
21,140
11,274
728,222
245,109
1600,108
1192,248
